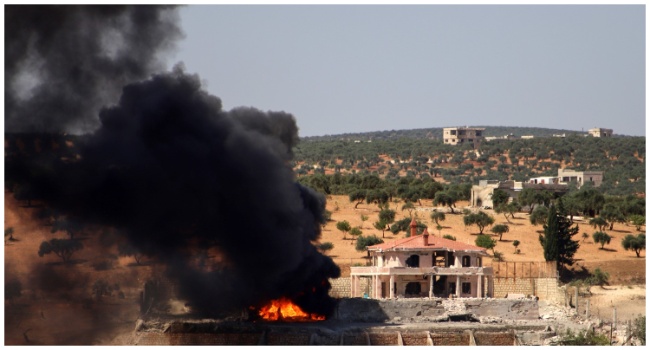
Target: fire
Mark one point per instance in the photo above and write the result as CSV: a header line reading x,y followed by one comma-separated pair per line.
x,y
284,309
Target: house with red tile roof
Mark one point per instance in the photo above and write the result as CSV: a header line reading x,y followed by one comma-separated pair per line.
x,y
424,266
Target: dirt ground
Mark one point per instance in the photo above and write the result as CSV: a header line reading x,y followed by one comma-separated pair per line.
x,y
623,266
57,307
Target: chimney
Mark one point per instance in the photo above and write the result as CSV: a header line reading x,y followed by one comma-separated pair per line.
x,y
425,237
414,226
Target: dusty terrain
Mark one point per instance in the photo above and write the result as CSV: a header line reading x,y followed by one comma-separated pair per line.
x,y
623,266
57,307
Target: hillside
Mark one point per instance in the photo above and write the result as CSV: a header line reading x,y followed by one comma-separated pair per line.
x,y
622,159
436,133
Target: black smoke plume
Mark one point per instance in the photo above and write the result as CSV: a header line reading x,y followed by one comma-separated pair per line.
x,y
64,62
178,176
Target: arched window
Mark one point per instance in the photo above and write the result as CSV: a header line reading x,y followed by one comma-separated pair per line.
x,y
466,261
413,261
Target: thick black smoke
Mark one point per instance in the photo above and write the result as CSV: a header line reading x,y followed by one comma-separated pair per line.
x,y
179,176
64,62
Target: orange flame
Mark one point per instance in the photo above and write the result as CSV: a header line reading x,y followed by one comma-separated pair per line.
x,y
284,309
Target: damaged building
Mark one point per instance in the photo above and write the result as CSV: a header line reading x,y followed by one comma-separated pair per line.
x,y
424,266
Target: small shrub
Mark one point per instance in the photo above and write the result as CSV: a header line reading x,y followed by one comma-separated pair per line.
x,y
498,256
484,241
453,238
516,244
638,329
598,278
588,337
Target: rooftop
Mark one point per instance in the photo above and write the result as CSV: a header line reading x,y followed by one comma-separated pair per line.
x,y
418,242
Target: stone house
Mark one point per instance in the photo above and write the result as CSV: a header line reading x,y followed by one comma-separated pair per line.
x,y
459,136
601,132
424,265
580,177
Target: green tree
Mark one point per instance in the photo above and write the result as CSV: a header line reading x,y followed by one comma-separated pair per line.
x,y
405,225
325,247
590,199
637,221
499,197
531,197
381,225
598,222
636,243
508,208
357,196
539,216
612,213
63,248
365,241
479,219
386,217
516,243
70,226
484,241
355,231
343,226
500,229
556,239
602,238
445,198
437,216
327,216
408,206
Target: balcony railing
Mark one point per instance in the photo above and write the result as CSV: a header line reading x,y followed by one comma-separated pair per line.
x,y
387,270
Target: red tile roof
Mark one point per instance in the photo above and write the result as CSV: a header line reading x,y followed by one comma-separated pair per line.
x,y
417,242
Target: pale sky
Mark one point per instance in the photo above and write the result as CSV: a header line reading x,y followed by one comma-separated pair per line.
x,y
362,68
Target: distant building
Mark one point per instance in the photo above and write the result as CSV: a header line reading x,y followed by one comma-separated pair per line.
x,y
505,137
580,177
481,194
460,135
600,132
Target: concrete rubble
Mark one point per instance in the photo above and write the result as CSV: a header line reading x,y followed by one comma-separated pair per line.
x,y
356,321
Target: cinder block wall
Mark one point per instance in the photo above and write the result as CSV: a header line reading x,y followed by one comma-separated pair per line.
x,y
341,287
505,286
548,289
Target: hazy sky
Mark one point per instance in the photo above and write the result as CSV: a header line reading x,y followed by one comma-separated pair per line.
x,y
364,68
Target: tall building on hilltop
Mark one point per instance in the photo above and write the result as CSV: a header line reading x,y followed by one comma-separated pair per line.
x,y
460,135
